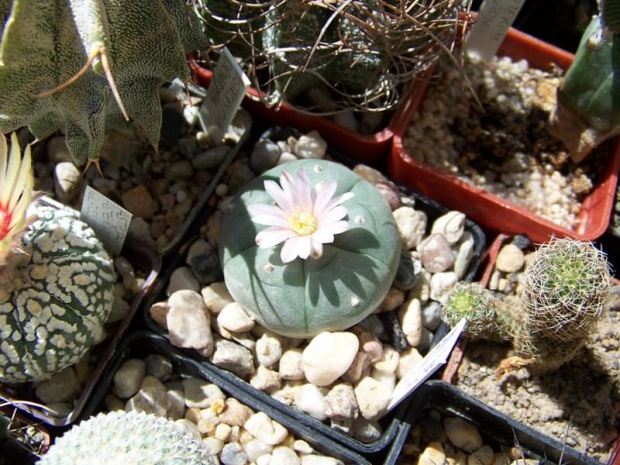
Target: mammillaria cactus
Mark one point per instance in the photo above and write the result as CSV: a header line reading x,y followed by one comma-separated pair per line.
x,y
565,287
128,438
85,67
339,257
57,279
588,108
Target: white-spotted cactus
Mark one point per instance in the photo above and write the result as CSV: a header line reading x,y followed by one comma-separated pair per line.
x,y
340,251
57,279
84,66
128,438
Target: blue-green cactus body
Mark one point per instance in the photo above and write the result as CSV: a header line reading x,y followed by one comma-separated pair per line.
x,y
305,297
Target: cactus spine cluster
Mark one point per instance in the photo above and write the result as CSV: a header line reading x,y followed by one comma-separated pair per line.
x,y
565,287
128,438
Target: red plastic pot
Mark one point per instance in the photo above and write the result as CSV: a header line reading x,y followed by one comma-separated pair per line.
x,y
486,209
369,149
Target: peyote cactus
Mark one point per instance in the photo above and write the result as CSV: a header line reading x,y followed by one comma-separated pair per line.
x,y
57,279
128,438
565,287
85,66
330,287
588,102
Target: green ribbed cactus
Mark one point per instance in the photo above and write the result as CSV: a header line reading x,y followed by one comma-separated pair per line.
x,y
302,297
588,107
128,438
565,287
87,66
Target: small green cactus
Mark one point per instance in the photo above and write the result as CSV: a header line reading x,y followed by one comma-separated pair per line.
x,y
565,287
128,438
588,107
84,67
483,311
303,297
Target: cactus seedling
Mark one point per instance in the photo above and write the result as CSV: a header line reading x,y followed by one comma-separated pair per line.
x,y
57,279
565,287
484,313
340,252
128,438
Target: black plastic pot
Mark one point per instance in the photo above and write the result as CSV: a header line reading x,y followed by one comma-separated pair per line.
x,y
15,448
391,422
142,343
144,260
243,122
495,427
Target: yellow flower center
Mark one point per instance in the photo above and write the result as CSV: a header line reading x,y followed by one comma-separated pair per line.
x,y
303,223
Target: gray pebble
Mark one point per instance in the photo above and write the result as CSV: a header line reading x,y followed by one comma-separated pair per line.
x,y
408,272
265,155
158,366
233,357
431,315
211,159
233,454
206,268
179,170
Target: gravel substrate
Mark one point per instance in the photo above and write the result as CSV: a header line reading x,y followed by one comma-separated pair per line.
x,y
505,148
355,399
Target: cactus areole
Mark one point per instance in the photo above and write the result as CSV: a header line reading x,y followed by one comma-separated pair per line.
x,y
57,280
323,264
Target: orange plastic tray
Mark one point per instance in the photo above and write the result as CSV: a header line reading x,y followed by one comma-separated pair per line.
x,y
370,149
486,209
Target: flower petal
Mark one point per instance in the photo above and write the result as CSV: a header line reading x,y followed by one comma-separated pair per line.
x,y
316,247
323,235
324,193
268,215
290,190
282,198
273,236
303,189
333,215
335,228
289,251
340,199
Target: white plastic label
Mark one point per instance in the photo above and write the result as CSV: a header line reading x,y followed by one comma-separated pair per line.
x,y
433,360
109,220
223,98
488,32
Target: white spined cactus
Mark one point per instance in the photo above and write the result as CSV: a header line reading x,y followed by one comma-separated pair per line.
x,y
128,438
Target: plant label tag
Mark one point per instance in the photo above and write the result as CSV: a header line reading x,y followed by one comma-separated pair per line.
x,y
433,360
494,19
109,220
223,98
